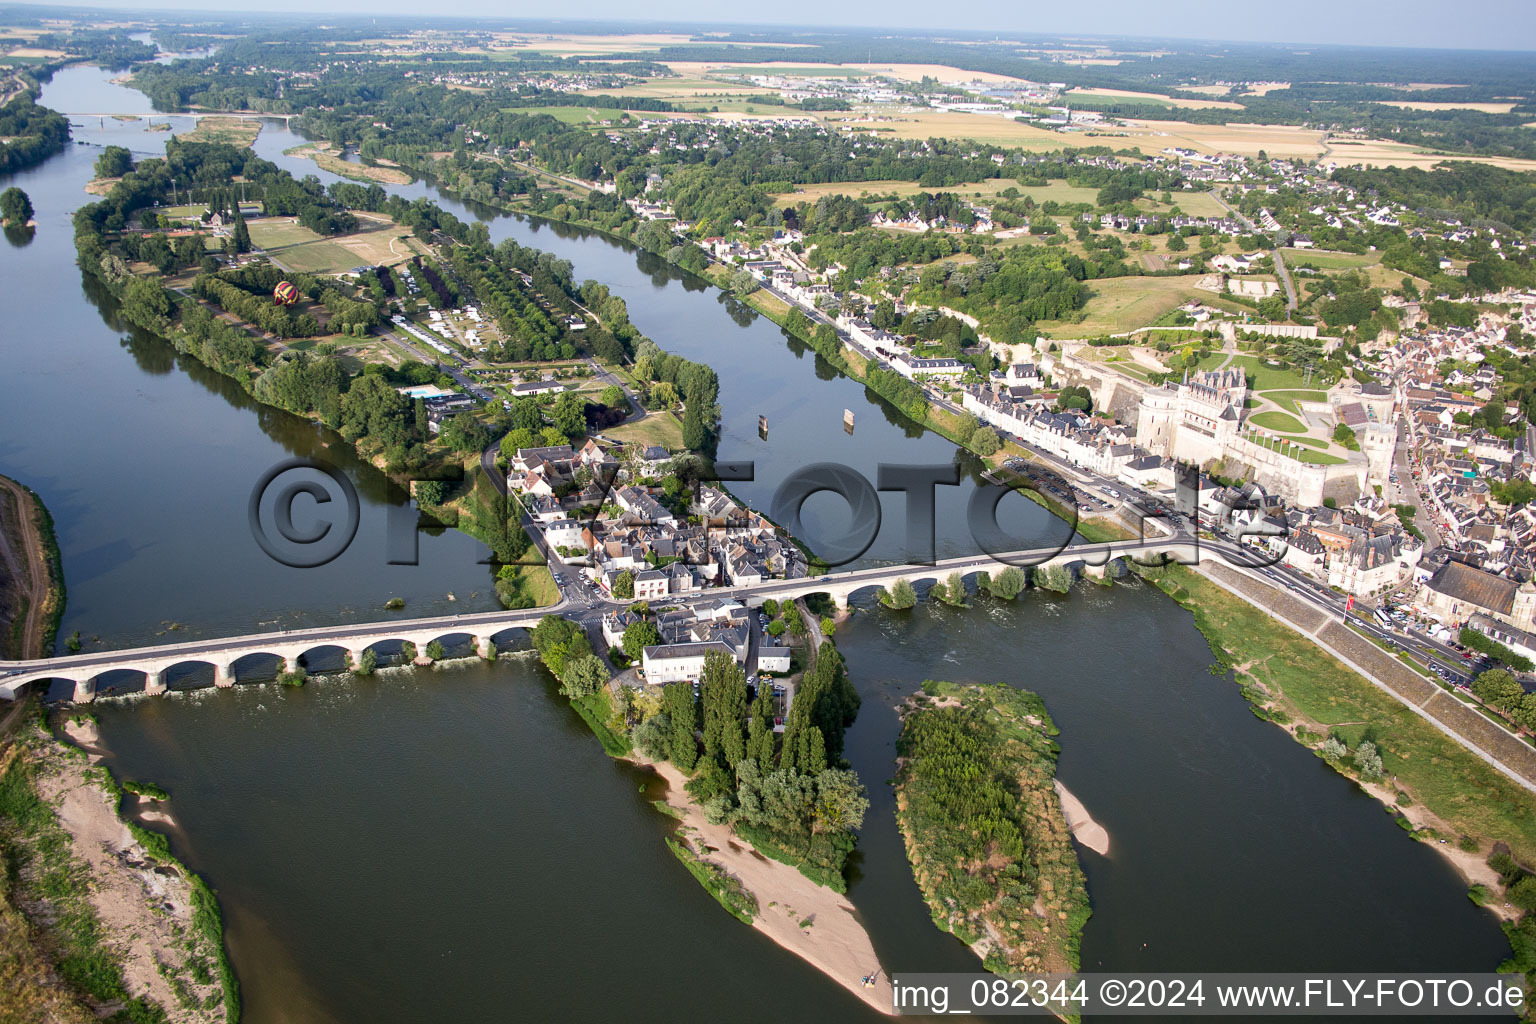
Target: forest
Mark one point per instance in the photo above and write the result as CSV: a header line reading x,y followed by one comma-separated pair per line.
x,y
29,134
985,833
791,796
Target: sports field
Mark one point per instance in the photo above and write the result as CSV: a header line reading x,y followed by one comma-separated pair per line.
x,y
295,247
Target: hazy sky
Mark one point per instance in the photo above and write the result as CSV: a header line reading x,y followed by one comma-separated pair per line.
x,y
1485,24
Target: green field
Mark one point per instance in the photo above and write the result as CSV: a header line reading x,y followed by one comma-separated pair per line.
x,y
295,247
1142,101
1121,304
573,114
1312,687
1305,455
1288,399
660,428
1329,260
1263,377
1195,204
1284,423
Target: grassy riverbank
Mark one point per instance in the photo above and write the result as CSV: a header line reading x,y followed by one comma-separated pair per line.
x,y
114,925
1313,696
32,597
984,829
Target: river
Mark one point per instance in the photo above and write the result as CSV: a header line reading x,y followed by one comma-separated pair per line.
x,y
452,845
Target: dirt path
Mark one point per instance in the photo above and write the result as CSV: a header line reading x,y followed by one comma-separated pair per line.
x,y
26,569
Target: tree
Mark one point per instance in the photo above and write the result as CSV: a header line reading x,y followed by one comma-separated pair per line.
x,y
435,650
985,442
638,636
517,437
966,428
1176,243
743,283
624,585
463,433
584,675
840,801
1008,583
367,663
114,162
1498,688
430,492
677,706
15,207
1346,437
1523,893
240,235
828,626
694,434
1368,761
664,395
723,696
613,397
899,595
567,415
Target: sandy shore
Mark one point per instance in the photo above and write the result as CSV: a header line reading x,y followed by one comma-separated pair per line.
x,y
145,908
835,942
1084,829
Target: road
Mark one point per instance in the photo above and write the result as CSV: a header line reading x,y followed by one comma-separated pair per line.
x,y
1405,491
1285,279
1280,271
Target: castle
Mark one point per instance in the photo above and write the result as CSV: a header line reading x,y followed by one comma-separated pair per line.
x,y
1196,420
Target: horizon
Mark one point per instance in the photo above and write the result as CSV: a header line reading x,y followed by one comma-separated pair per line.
x,y
1502,26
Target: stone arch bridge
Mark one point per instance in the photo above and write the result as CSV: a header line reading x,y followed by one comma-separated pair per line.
x,y
84,670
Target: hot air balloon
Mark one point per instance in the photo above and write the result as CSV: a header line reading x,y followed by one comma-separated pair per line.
x,y
285,294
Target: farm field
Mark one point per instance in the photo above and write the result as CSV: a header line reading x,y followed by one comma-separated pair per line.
x,y
685,90
699,69
1061,192
1150,97
1121,304
1241,139
925,123
1380,153
295,247
904,72
1485,108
